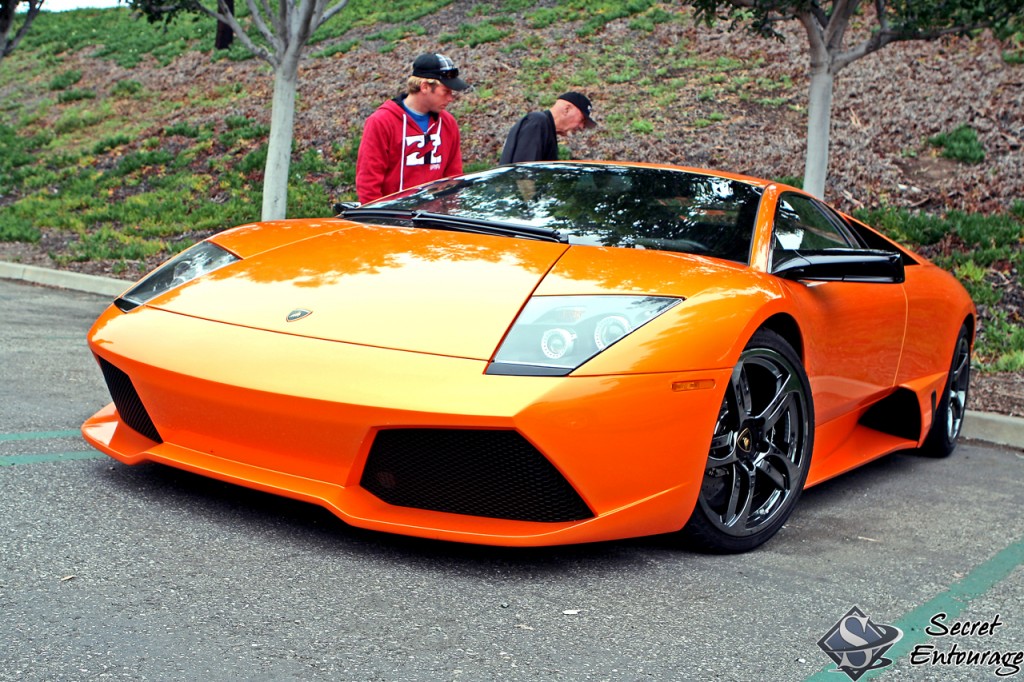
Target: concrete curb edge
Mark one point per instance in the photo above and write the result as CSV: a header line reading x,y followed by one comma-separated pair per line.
x,y
994,428
983,426
77,281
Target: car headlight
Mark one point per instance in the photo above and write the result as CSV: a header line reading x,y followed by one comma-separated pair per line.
x,y
194,262
554,335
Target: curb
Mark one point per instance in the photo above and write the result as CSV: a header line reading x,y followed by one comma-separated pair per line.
x,y
77,281
994,428
990,428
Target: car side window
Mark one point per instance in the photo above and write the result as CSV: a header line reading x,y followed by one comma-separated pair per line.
x,y
803,224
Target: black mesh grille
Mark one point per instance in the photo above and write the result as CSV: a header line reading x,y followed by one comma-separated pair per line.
x,y
126,400
496,474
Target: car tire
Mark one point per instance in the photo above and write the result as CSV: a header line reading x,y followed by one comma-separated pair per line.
x,y
948,419
760,450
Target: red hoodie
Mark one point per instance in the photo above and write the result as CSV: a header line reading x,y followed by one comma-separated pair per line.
x,y
395,153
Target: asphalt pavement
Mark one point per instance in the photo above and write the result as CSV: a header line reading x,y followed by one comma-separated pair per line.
x,y
131,573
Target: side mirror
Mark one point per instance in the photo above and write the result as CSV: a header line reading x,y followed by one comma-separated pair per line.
x,y
843,265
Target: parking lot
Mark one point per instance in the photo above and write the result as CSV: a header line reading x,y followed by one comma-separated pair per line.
x,y
128,573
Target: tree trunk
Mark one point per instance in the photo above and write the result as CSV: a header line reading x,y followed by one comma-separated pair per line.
x,y
279,148
819,120
225,36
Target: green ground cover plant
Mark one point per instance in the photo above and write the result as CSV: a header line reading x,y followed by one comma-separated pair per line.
x,y
486,31
960,144
65,80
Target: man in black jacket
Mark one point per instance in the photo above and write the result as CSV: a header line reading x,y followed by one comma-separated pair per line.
x,y
535,136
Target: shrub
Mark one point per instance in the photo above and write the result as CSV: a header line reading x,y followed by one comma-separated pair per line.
x,y
242,128
960,145
254,161
63,81
794,181
109,143
133,162
18,229
75,95
476,34
126,88
76,118
339,48
182,128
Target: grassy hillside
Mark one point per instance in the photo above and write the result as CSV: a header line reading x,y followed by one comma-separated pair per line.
x,y
122,142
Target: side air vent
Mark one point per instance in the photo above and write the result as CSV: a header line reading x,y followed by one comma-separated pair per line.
x,y
496,474
897,415
126,400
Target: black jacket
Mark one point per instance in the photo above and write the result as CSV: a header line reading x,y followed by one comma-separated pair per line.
x,y
533,138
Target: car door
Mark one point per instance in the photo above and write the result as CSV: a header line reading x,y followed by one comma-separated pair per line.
x,y
853,330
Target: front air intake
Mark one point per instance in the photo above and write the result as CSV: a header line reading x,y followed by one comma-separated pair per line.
x,y
126,400
496,474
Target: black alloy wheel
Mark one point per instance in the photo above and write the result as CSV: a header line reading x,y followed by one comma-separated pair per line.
x,y
948,420
760,451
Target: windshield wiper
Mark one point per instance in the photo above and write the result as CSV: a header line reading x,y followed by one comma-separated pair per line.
x,y
460,223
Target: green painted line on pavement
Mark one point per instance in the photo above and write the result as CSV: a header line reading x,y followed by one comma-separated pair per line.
x,y
951,602
38,435
13,460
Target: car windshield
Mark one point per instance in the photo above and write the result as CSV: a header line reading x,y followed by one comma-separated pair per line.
x,y
600,205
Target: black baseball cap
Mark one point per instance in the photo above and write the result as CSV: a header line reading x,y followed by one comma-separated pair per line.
x,y
440,68
581,102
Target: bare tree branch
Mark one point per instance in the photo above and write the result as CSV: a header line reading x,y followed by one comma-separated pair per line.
x,y
8,10
334,10
257,14
882,38
837,24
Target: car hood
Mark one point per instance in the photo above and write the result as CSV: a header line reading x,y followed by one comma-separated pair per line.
x,y
414,289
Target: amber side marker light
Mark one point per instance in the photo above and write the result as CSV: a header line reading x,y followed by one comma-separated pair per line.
x,y
695,385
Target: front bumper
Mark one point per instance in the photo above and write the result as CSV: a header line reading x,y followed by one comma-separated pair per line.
x,y
299,417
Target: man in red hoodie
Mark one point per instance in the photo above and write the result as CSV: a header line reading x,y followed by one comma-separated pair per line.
x,y
412,139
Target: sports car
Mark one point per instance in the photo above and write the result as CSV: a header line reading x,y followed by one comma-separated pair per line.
x,y
540,354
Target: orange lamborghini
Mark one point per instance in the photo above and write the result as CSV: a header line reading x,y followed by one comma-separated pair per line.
x,y
540,354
